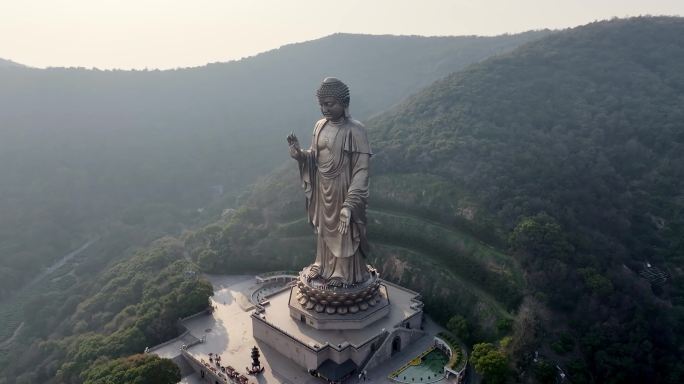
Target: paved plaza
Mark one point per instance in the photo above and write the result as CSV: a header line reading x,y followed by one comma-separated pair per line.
x,y
228,333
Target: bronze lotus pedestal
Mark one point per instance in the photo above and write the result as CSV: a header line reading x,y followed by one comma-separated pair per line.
x,y
321,306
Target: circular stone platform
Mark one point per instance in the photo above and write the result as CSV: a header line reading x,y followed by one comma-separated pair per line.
x,y
316,295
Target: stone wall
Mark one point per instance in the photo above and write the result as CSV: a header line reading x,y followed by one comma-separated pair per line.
x,y
289,347
310,357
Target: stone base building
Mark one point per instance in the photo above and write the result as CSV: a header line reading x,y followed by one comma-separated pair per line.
x,y
334,346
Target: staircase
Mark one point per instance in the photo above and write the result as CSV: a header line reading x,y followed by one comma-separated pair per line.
x,y
382,340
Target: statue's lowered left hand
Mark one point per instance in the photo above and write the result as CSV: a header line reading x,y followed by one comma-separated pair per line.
x,y
345,215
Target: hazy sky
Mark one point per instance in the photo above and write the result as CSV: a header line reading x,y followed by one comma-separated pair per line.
x,y
175,33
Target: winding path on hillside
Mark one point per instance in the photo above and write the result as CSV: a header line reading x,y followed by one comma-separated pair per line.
x,y
11,308
475,290
9,341
496,254
63,260
472,288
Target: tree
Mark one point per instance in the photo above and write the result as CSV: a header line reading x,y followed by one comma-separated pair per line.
x,y
490,362
458,325
545,372
598,284
540,236
208,260
137,369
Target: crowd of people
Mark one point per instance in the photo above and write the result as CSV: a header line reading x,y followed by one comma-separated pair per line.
x,y
227,373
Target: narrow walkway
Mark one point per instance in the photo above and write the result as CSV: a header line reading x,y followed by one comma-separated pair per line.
x,y
9,341
473,288
11,308
61,262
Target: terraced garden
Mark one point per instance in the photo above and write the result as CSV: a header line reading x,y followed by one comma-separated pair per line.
x,y
453,269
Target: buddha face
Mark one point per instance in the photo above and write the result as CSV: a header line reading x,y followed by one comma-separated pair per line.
x,y
331,108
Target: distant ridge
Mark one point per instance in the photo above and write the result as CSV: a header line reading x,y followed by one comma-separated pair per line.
x,y
169,136
468,41
4,63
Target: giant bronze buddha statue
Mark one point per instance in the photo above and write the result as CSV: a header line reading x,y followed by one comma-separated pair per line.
x,y
334,175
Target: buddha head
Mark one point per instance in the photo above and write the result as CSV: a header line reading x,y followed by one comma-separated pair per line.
x,y
333,98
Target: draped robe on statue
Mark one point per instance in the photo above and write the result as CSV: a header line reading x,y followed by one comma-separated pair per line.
x,y
334,173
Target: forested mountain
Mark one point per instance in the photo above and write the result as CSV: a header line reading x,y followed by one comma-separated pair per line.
x,y
536,198
80,148
575,145
123,157
76,328
568,156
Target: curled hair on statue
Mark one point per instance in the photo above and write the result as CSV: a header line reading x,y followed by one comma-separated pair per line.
x,y
333,87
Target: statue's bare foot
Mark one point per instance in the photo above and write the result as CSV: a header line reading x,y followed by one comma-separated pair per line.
x,y
314,272
335,282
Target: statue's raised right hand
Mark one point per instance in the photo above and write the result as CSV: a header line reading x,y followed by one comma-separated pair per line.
x,y
293,142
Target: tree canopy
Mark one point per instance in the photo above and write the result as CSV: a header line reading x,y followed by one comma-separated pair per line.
x,y
490,362
135,369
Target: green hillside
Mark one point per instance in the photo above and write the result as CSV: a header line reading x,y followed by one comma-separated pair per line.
x,y
456,271
547,177
77,325
575,146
